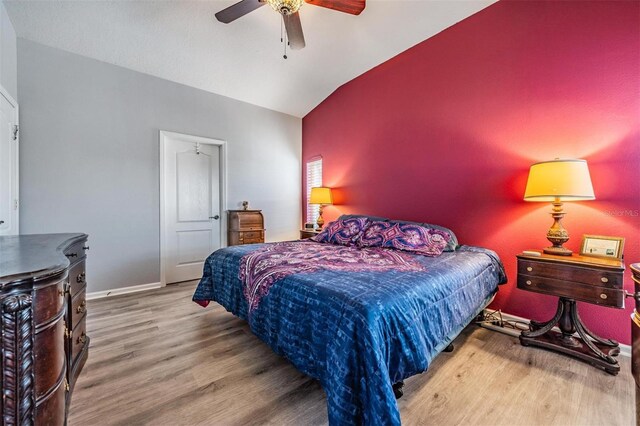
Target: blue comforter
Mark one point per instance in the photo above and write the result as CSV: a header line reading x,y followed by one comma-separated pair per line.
x,y
360,332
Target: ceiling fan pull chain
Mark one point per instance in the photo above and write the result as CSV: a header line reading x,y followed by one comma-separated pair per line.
x,y
286,42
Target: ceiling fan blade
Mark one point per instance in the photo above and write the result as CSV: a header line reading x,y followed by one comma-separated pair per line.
x,y
294,31
354,7
238,10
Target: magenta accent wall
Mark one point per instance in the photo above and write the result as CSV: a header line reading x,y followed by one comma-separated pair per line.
x,y
446,131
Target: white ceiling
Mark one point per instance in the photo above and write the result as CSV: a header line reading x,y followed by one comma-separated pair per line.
x,y
181,41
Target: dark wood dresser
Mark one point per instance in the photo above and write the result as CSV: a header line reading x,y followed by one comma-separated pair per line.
x,y
635,335
43,315
245,227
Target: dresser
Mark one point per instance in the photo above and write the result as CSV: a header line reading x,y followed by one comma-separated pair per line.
x,y
635,335
245,227
598,281
43,323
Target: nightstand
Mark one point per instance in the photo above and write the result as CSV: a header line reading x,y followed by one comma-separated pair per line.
x,y
308,233
573,278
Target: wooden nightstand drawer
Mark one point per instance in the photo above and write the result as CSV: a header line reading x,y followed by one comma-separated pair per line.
x,y
598,295
308,233
251,241
251,235
573,273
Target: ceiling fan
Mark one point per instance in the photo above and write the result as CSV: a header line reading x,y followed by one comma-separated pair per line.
x,y
290,15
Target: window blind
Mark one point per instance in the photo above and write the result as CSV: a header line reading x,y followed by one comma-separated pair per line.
x,y
314,179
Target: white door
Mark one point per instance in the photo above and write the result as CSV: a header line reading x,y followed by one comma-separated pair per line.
x,y
192,208
8,166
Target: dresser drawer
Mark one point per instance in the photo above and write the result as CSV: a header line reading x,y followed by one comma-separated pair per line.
x,y
50,411
251,241
77,278
576,273
49,362
598,295
48,301
251,235
78,338
78,307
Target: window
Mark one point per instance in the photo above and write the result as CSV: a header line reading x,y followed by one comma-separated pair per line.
x,y
314,178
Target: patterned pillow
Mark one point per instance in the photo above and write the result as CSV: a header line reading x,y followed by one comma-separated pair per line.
x,y
344,232
405,236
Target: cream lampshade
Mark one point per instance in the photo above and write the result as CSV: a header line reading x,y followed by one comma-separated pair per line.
x,y
321,195
557,181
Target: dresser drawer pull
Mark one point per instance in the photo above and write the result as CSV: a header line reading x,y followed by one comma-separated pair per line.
x,y
82,308
528,282
71,254
61,292
66,385
603,296
604,279
529,269
82,339
80,277
85,247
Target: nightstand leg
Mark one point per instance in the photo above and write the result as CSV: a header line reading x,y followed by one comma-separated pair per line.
x,y
587,347
606,342
540,328
587,341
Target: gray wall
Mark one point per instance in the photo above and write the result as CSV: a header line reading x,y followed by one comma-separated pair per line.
x,y
8,67
89,157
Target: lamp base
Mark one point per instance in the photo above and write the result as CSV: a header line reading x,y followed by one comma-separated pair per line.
x,y
557,235
558,251
320,221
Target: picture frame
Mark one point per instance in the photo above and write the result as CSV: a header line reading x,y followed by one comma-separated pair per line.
x,y
602,246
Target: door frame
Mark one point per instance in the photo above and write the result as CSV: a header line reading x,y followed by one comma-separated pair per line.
x,y
16,161
222,144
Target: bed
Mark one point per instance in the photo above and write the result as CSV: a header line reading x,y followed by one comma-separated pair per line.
x,y
357,318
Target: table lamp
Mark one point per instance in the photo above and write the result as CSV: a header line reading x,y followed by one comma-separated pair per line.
x,y
321,195
557,181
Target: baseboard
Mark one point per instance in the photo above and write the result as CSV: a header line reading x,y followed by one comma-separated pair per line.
x,y
122,290
625,350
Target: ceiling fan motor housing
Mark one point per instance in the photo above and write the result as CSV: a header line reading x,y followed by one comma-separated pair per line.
x,y
285,7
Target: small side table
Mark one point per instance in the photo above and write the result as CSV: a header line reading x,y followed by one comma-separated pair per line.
x,y
308,233
573,278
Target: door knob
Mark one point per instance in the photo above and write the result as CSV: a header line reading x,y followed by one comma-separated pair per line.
x,y
216,217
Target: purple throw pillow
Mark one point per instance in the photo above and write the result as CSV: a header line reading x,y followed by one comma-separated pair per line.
x,y
405,236
342,232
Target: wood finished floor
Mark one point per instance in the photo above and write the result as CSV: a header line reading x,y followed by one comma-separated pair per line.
x,y
157,358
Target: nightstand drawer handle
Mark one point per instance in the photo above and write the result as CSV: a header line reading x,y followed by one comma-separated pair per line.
x,y
528,282
529,269
603,296
604,279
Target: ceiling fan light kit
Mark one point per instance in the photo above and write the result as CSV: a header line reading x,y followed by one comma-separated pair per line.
x,y
290,16
285,7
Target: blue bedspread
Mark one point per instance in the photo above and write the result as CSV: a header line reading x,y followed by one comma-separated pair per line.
x,y
360,332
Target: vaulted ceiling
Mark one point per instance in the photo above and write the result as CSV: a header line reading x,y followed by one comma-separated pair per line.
x,y
181,41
